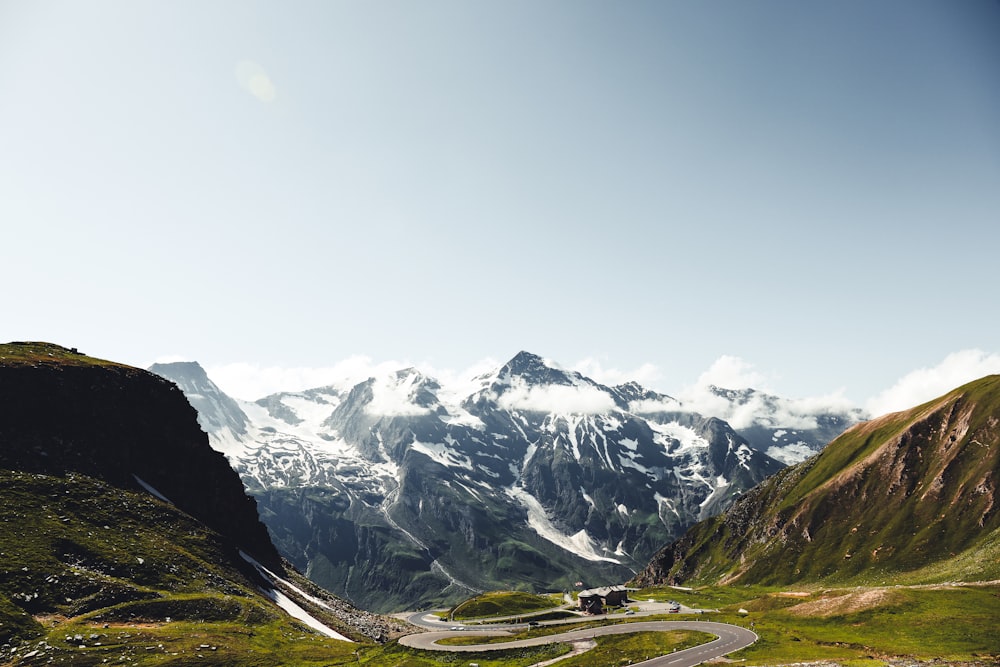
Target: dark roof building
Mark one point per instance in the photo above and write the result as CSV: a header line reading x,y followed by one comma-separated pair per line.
x,y
593,600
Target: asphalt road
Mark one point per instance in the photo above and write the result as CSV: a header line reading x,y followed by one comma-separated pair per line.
x,y
729,638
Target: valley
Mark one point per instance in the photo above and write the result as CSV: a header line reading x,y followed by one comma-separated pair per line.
x,y
125,538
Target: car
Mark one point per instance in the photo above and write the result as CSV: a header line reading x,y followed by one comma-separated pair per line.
x,y
454,627
629,612
533,624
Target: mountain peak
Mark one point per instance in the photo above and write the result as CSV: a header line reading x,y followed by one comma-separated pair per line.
x,y
525,361
216,411
533,369
188,369
114,422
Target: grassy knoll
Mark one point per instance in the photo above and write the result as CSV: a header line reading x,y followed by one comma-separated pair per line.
x,y
617,650
503,603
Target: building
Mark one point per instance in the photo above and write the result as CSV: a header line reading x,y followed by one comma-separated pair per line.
x,y
593,600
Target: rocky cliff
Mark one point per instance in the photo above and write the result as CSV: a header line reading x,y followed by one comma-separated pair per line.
x,y
65,412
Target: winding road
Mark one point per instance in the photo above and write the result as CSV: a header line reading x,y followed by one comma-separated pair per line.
x,y
729,638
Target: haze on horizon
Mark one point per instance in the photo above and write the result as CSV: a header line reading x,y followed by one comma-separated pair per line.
x,y
801,193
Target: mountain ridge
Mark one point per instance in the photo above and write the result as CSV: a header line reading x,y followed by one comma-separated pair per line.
x,y
909,496
529,464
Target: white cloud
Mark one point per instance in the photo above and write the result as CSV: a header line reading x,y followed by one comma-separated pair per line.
x,y
732,372
459,384
925,384
252,381
563,399
253,79
650,406
646,374
391,397
729,372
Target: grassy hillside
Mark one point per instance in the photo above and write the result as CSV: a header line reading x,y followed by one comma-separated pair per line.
x,y
909,497
95,568
89,572
47,354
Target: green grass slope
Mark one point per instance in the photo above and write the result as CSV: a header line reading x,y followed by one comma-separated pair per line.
x,y
857,626
40,354
91,572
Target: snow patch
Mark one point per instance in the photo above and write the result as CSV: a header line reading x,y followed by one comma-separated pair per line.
x,y
629,443
664,502
620,550
289,605
153,491
627,460
671,432
579,543
790,454
441,453
721,484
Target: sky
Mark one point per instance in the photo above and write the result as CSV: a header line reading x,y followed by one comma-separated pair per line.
x,y
800,194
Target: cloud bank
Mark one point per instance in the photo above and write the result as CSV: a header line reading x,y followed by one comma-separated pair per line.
x,y
647,374
574,399
760,407
925,384
391,398
252,381
732,373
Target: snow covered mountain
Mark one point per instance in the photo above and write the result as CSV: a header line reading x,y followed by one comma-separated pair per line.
x,y
790,430
400,492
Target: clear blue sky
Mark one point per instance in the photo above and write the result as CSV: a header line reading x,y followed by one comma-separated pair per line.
x,y
813,187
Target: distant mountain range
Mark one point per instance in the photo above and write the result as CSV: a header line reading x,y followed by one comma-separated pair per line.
x,y
401,492
910,497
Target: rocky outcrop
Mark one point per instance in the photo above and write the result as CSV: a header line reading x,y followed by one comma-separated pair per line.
x,y
64,412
